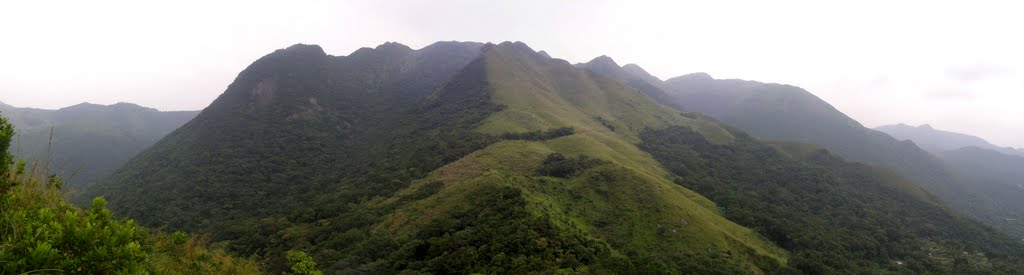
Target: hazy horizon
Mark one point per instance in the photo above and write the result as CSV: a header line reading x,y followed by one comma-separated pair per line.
x,y
955,67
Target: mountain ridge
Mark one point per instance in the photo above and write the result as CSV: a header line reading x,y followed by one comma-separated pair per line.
x,y
477,78
937,141
501,159
85,142
784,112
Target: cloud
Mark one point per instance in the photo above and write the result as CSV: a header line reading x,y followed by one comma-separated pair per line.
x,y
950,94
977,72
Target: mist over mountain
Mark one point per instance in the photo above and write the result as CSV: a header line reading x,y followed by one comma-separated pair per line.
x,y
998,171
467,157
937,141
87,141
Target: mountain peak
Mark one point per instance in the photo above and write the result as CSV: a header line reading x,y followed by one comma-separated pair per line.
x,y
926,126
115,106
452,44
603,61
131,106
303,49
638,71
700,76
518,46
83,105
606,66
634,68
393,46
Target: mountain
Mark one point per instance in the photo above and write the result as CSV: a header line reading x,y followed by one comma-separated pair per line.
x,y
988,165
495,158
935,140
631,75
998,175
89,141
998,172
366,145
788,113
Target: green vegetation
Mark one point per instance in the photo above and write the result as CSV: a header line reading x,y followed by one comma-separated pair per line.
x,y
41,232
833,216
557,165
539,135
302,264
649,224
498,235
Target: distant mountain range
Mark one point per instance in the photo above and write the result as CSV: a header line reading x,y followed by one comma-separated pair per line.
x,y
777,112
465,157
998,171
88,141
935,140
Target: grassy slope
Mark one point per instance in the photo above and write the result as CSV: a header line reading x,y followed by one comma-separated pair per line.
x,y
628,203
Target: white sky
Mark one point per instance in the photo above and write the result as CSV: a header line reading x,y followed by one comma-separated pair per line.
x,y
956,65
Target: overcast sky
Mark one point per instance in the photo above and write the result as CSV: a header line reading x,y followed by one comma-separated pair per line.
x,y
956,65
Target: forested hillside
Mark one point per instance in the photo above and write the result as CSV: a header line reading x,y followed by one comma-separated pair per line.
x,y
87,141
466,157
